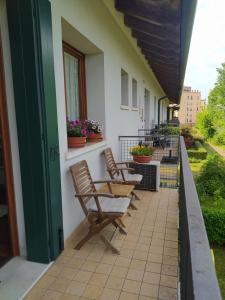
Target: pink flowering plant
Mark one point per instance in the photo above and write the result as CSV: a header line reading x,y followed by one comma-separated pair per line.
x,y
76,128
93,127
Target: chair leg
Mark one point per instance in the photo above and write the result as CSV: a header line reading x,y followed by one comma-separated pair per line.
x,y
119,224
108,244
88,236
135,195
132,206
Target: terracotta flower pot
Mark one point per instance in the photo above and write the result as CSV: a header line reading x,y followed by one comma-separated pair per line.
x,y
76,142
142,159
94,137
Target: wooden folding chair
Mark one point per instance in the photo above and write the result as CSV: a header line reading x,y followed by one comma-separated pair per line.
x,y
121,171
101,209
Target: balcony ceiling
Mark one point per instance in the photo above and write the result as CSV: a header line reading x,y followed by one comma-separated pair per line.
x,y
163,30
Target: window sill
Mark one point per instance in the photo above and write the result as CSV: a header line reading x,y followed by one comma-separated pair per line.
x,y
75,152
124,107
134,109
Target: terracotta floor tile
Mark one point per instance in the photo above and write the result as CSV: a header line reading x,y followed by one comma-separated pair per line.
x,y
128,296
83,276
155,257
118,271
60,285
131,286
36,293
152,278
52,295
122,261
153,267
69,297
170,252
93,292
45,281
141,255
168,281
76,288
136,275
115,283
169,270
156,249
104,268
68,273
138,264
166,293
98,279
149,290
170,260
109,294
89,266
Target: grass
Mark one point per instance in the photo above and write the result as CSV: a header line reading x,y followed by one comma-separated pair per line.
x,y
219,254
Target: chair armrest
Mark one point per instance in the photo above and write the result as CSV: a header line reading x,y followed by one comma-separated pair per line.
x,y
121,169
107,181
95,195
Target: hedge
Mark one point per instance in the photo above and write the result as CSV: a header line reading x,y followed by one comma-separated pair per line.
x,y
198,151
215,225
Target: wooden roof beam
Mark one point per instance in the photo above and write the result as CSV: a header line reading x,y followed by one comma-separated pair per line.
x,y
154,10
143,26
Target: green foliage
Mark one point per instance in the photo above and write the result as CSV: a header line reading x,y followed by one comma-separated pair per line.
x,y
211,180
197,152
142,150
169,130
205,124
215,225
211,121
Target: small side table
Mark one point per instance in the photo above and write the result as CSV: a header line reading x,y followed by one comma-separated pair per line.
x,y
151,174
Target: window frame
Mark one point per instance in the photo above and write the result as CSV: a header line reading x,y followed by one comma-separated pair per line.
x,y
82,78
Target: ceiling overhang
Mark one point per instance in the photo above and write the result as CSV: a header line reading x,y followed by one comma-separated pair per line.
x,y
163,31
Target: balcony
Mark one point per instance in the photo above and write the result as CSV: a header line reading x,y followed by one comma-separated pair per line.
x,y
152,263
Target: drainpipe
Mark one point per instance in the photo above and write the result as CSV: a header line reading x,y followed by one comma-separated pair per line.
x,y
159,101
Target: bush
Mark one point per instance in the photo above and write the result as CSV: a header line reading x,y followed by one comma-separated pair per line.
x,y
197,151
169,130
211,180
215,225
219,137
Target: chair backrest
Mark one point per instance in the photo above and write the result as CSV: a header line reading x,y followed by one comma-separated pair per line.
x,y
82,182
110,163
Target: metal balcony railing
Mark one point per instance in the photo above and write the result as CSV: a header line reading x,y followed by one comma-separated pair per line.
x,y
197,273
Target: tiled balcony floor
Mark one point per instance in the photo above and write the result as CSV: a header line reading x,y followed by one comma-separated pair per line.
x,y
145,269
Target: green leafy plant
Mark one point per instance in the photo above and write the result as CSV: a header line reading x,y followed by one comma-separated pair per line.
x,y
197,151
215,225
142,150
93,127
211,180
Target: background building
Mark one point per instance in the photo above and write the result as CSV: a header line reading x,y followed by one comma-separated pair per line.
x,y
190,105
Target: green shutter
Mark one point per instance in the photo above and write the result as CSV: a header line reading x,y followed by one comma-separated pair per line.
x,y
35,101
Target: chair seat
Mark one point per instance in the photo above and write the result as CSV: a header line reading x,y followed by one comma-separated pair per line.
x,y
132,177
110,205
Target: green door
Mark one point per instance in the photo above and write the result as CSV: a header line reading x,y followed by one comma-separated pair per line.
x,y
35,101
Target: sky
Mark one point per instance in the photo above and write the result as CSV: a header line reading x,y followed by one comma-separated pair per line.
x,y
207,50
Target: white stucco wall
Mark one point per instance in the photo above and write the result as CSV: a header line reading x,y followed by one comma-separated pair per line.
x,y
12,126
101,35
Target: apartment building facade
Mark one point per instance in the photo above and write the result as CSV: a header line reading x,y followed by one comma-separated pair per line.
x,y
190,105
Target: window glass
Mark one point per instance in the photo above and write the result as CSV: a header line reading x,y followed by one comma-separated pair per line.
x,y
134,93
71,65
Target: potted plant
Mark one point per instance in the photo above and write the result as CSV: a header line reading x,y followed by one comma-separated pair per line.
x,y
188,138
76,134
94,131
142,153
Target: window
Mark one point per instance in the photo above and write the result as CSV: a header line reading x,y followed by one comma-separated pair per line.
x,y
124,88
134,93
75,85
